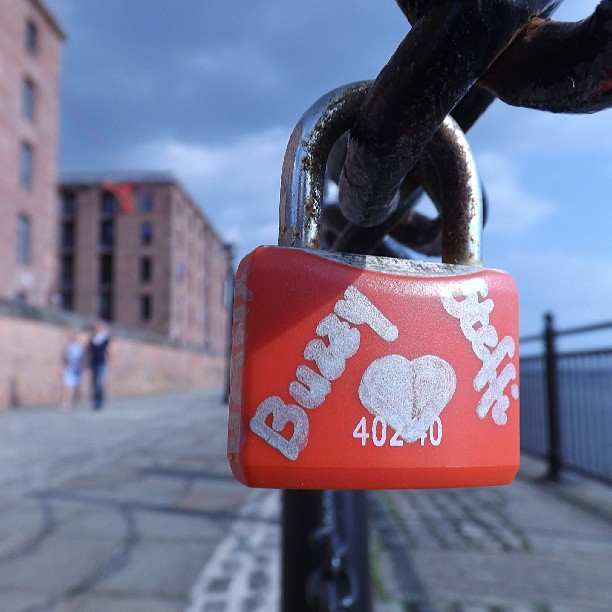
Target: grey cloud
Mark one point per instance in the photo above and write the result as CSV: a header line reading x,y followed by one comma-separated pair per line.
x,y
209,71
212,88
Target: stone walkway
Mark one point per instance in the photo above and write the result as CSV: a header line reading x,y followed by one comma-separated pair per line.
x,y
113,511
134,509
530,546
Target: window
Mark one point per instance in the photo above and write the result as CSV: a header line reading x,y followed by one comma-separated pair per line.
x,y
29,98
105,305
146,233
107,233
25,175
145,269
108,203
145,203
23,240
106,269
67,300
31,37
145,307
67,270
68,204
68,234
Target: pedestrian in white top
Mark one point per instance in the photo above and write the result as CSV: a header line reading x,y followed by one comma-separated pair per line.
x,y
73,368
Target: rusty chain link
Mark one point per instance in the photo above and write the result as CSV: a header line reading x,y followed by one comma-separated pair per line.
x,y
458,57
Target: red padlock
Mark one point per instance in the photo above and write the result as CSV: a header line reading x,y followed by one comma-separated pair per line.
x,y
360,372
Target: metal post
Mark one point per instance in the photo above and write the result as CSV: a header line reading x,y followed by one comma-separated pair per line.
x,y
355,515
299,521
552,394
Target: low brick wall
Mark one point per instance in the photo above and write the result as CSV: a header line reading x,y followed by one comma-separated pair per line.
x,y
32,341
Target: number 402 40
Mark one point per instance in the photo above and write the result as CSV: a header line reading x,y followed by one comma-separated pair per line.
x,y
378,433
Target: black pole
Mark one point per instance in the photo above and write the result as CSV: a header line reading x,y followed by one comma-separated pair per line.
x,y
354,506
325,561
552,394
301,510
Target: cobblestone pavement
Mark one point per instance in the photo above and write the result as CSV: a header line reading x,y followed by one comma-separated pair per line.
x,y
134,509
244,572
530,546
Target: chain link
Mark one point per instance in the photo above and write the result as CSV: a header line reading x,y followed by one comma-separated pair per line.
x,y
333,586
458,57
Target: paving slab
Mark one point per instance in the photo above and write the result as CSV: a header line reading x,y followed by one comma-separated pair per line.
x,y
92,522
119,603
56,565
159,568
14,600
180,527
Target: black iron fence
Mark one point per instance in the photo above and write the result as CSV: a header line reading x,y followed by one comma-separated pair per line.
x,y
566,404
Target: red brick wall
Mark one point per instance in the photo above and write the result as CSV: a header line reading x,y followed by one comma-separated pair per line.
x,y
86,257
217,321
199,313
38,278
31,364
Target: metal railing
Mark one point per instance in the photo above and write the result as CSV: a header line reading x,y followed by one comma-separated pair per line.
x,y
566,404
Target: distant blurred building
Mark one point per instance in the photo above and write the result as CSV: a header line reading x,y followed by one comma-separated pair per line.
x,y
137,251
30,49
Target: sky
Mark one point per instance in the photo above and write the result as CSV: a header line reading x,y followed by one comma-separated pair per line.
x,y
211,91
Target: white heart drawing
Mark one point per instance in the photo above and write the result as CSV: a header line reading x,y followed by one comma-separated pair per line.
x,y
408,395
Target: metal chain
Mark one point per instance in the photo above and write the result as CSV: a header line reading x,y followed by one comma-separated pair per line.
x,y
334,586
458,57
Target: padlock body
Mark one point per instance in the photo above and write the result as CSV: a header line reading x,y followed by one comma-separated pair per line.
x,y
358,372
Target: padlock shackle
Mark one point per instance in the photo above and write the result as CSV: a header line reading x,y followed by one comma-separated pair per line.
x,y
462,207
303,177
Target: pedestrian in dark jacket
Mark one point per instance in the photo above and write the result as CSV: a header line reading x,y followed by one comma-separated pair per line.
x,y
98,362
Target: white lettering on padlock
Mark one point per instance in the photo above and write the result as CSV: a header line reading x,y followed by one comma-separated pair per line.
x,y
242,295
239,335
379,435
312,393
331,360
343,343
236,364
357,309
282,414
241,289
470,312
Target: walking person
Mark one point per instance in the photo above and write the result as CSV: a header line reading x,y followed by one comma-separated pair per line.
x,y
73,368
98,362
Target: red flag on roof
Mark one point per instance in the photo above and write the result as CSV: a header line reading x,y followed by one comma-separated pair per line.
x,y
123,193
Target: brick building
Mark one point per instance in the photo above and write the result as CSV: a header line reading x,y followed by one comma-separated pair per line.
x,y
136,250
30,50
